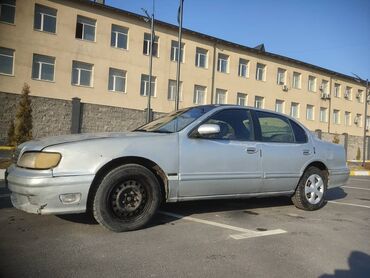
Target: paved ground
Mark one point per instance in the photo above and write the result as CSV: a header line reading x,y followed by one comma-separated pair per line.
x,y
198,239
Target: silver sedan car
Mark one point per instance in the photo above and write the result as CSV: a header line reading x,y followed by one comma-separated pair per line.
x,y
197,153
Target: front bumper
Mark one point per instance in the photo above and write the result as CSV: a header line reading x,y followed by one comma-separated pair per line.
x,y
39,192
338,177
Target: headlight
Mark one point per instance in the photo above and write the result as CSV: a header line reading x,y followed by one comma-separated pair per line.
x,y
39,160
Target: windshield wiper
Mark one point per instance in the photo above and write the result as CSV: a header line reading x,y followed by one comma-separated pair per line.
x,y
140,130
161,131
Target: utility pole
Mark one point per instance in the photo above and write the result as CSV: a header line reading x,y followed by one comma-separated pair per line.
x,y
366,101
177,95
152,37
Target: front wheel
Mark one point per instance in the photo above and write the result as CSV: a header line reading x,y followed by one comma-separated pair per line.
x,y
127,198
311,190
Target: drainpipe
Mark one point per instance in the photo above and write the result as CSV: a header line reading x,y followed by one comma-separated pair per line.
x,y
329,116
213,72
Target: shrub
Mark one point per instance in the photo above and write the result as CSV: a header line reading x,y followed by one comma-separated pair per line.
x,y
336,139
11,139
23,118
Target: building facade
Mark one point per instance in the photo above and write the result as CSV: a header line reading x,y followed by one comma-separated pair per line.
x,y
100,54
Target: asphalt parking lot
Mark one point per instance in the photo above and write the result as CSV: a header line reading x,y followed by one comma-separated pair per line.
x,y
233,238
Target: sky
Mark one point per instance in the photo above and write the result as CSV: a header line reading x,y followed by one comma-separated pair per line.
x,y
334,34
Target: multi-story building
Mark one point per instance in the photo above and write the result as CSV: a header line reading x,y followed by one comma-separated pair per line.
x,y
66,49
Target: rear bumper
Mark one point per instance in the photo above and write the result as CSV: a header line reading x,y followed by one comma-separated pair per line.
x,y
338,177
39,192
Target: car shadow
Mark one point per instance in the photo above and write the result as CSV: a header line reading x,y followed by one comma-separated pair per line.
x,y
336,193
359,266
81,218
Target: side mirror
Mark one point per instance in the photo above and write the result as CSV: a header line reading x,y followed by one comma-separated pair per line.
x,y
208,129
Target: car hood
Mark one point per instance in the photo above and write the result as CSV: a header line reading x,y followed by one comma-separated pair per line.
x,y
39,144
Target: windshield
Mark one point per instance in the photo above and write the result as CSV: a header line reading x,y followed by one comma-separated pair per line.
x,y
175,121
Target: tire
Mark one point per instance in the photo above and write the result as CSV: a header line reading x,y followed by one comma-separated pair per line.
x,y
311,190
127,198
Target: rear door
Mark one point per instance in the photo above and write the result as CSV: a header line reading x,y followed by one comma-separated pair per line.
x,y
285,150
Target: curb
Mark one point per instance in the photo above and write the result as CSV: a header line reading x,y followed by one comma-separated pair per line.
x,y
359,173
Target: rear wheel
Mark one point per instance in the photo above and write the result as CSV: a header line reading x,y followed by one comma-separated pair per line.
x,y
311,190
127,198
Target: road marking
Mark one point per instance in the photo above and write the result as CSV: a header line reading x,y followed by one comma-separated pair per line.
x,y
4,195
367,180
353,187
245,232
349,204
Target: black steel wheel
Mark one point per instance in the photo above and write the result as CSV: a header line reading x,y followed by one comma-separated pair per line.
x,y
127,198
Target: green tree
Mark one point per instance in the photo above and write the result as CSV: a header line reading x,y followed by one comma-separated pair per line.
x,y
11,139
23,117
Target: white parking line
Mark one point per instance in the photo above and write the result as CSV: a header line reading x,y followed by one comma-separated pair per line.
x,y
353,187
354,179
245,232
349,204
4,195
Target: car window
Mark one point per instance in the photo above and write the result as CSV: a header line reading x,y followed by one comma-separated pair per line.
x,y
235,124
299,133
275,128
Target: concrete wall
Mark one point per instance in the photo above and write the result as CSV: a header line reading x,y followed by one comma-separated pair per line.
x,y
53,117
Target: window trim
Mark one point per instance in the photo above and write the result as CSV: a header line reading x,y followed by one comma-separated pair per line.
x,y
13,62
116,34
174,51
154,92
220,60
83,28
114,81
42,20
197,57
40,68
79,75
15,10
196,93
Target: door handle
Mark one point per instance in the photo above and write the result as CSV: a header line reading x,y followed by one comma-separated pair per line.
x,y
306,152
251,150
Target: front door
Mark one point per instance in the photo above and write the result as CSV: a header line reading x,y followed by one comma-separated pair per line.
x,y
224,164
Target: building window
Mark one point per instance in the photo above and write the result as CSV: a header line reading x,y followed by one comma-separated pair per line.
x,y
294,110
259,102
311,83
85,28
146,45
199,94
310,112
82,73
279,106
201,58
323,115
359,95
281,73
348,93
117,80
243,68
347,118
6,61
241,99
221,96
261,72
43,67
45,19
175,51
336,117
337,90
119,36
144,87
172,86
7,11
325,87
358,120
296,80
223,63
